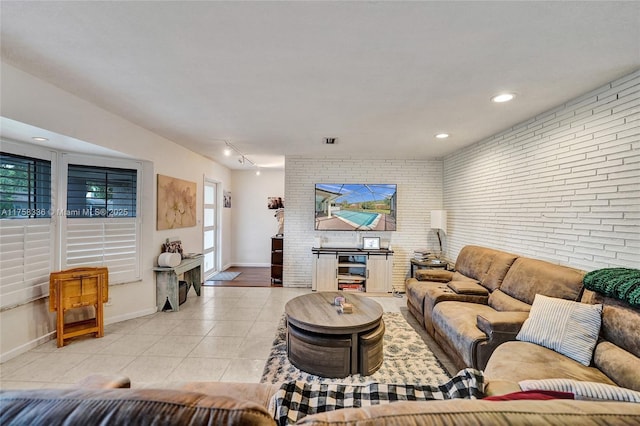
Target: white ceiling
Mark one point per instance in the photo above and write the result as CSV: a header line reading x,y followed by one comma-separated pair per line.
x,y
274,78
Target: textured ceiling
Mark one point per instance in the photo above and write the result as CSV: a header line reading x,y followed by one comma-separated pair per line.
x,y
274,78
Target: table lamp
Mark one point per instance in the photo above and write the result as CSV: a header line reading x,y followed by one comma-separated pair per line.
x,y
439,222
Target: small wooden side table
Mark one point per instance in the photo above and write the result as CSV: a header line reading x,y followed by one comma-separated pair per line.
x,y
167,281
428,264
77,288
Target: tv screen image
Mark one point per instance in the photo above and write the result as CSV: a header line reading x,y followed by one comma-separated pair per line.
x,y
355,207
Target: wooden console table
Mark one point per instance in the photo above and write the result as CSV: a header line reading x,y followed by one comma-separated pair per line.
x,y
167,281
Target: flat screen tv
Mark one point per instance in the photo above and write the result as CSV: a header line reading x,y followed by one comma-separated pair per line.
x,y
355,207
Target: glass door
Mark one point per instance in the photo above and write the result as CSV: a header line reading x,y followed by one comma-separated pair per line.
x,y
210,228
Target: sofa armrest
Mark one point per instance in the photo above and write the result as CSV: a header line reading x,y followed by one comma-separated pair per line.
x,y
500,327
468,287
437,275
99,381
501,323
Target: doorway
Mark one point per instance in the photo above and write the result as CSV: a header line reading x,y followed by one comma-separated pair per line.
x,y
210,229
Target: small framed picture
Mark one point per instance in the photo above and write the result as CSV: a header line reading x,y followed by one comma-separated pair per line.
x,y
371,243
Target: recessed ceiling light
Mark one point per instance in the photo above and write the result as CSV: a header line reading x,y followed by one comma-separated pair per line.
x,y
39,139
442,135
227,152
503,97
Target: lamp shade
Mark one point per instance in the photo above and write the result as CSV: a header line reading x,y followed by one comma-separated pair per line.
x,y
439,220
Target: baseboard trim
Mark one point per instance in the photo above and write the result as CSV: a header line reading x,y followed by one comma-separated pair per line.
x,y
130,315
6,356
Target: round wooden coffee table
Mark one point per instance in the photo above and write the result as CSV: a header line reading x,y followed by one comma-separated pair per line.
x,y
324,342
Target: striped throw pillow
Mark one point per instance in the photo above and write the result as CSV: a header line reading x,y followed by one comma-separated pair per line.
x,y
583,390
569,328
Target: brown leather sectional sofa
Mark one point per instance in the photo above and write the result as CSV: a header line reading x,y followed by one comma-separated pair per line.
x,y
476,312
245,404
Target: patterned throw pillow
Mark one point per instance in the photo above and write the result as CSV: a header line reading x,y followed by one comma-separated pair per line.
x,y
583,390
569,328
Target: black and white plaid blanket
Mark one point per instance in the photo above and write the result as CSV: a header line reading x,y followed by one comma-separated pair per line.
x,y
297,399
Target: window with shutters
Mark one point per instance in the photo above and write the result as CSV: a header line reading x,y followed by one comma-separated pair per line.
x,y
26,228
101,227
25,187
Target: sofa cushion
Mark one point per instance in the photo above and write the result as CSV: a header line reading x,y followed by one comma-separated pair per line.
x,y
467,287
456,321
583,390
486,265
516,361
439,293
621,366
126,407
480,412
501,301
620,321
457,276
618,353
569,328
528,277
260,393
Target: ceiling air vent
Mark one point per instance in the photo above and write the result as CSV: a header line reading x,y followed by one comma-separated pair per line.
x,y
330,141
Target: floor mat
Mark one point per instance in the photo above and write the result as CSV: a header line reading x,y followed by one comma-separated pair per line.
x,y
223,276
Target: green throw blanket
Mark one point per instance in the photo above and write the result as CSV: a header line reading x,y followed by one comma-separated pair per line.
x,y
621,283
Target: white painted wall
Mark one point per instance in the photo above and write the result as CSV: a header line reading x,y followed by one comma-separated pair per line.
x,y
419,191
30,100
253,223
563,186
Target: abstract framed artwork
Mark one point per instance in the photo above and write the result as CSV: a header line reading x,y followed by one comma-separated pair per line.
x,y
176,206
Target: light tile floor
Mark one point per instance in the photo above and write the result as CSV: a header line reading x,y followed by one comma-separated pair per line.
x,y
223,335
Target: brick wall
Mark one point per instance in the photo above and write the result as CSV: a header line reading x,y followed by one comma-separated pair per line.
x,y
563,186
419,186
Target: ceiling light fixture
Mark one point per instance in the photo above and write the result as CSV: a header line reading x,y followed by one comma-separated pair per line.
x,y
39,139
442,135
503,97
242,159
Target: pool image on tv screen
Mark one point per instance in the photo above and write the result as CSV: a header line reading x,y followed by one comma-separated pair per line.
x,y
355,207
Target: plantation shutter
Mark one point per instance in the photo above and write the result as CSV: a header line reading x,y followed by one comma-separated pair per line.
x,y
25,260
26,229
104,242
101,227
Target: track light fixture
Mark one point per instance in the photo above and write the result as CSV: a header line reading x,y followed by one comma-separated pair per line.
x,y
242,159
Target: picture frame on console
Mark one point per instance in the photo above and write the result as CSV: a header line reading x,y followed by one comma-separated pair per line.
x,y
371,243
